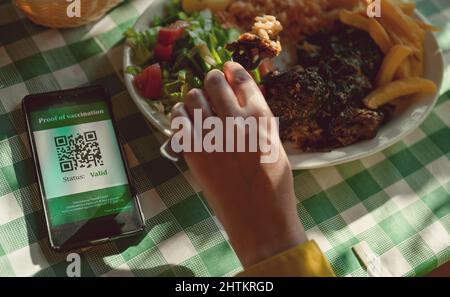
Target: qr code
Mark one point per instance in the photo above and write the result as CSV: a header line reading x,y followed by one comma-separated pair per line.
x,y
78,151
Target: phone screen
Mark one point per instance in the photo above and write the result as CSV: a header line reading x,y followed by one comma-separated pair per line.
x,y
83,178
80,161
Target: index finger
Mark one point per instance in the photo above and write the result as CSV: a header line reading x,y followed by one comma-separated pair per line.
x,y
243,84
221,95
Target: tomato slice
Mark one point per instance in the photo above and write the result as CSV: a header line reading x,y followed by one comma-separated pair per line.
x,y
154,85
163,52
168,36
141,80
150,82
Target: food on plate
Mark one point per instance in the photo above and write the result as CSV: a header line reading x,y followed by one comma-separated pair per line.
x,y
299,17
398,89
319,102
407,8
354,19
261,43
178,49
379,35
401,37
150,82
339,84
316,126
394,58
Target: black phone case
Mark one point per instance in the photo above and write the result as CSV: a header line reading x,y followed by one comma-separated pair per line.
x,y
95,231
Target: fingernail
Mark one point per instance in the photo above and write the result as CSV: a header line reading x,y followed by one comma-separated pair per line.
x,y
178,106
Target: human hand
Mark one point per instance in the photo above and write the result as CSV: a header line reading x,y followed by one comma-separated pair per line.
x,y
254,201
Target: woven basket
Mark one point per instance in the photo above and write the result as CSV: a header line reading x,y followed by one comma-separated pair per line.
x,y
53,13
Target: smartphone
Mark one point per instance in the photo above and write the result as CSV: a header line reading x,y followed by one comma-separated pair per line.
x,y
87,194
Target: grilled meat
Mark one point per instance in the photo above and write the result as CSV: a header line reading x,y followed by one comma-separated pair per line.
x,y
262,42
345,42
319,103
293,96
356,124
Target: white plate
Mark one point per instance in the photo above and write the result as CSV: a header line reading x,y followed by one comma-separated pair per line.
x,y
408,117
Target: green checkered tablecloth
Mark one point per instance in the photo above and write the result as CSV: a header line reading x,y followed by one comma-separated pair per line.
x,y
397,201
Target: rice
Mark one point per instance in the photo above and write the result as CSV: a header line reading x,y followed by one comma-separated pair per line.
x,y
267,27
298,17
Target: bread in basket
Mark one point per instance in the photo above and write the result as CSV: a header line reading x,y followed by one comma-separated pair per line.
x,y
53,13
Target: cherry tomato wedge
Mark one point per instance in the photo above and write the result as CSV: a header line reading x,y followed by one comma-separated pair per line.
x,y
163,52
150,82
168,36
140,81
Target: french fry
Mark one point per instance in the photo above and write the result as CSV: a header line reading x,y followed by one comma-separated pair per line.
x,y
404,71
408,8
397,89
401,23
379,35
410,67
417,62
395,35
391,63
354,20
427,27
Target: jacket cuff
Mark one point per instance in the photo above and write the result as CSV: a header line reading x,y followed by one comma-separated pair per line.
x,y
303,260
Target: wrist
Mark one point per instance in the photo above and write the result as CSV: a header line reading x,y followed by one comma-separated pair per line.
x,y
269,242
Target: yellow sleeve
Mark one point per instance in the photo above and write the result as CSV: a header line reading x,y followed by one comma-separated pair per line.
x,y
303,260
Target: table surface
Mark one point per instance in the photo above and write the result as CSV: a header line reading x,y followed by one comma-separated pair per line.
x,y
396,201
